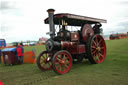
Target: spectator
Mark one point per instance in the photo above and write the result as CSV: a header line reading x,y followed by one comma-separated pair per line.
x,y
20,53
0,55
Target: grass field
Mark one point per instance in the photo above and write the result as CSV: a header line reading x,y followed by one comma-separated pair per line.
x,y
113,71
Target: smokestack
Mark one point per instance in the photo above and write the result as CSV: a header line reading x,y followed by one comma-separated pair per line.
x,y
51,22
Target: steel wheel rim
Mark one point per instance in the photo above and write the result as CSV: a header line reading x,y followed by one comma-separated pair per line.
x,y
98,49
63,62
45,61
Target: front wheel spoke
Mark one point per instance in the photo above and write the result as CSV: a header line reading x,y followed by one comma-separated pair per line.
x,y
41,61
67,62
49,64
44,65
42,57
66,65
46,55
63,68
58,58
61,56
65,58
60,68
57,66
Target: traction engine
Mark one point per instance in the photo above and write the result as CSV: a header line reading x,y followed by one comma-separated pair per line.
x,y
67,47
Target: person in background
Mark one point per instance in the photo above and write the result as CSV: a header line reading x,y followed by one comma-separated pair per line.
x,y
0,55
20,53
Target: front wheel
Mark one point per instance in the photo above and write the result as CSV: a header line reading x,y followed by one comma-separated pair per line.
x,y
96,49
44,60
62,62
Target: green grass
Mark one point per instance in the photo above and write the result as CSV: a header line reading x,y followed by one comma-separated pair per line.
x,y
37,48
113,71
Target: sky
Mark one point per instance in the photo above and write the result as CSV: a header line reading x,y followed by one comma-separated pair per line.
x,y
22,20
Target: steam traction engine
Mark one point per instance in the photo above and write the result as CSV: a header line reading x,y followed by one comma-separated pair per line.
x,y
66,47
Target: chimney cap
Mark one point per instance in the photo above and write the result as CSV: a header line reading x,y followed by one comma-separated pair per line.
x,y
50,10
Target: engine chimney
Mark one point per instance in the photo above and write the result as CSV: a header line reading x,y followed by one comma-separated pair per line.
x,y
51,22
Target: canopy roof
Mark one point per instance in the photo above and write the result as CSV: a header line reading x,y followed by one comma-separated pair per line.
x,y
74,20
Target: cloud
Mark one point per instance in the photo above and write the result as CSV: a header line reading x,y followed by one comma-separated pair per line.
x,y
124,23
123,26
124,3
7,5
4,5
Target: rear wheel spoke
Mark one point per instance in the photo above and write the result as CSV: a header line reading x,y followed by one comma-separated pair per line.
x,y
96,40
101,48
93,47
98,58
100,41
101,55
94,52
94,43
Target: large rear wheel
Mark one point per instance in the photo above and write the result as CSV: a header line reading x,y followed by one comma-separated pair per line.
x,y
44,60
96,49
62,62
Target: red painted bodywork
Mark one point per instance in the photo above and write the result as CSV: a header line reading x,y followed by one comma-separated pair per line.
x,y
77,49
75,36
73,47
